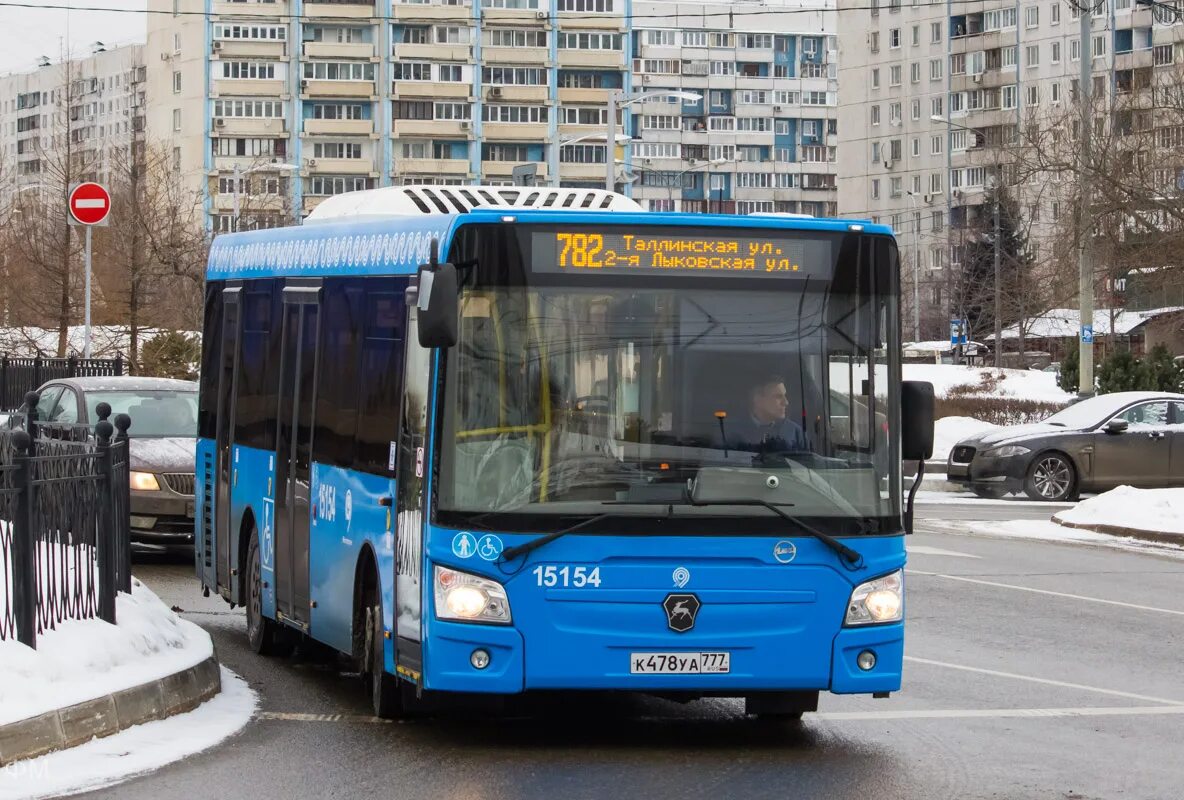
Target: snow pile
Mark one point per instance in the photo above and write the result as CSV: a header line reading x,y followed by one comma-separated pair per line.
x,y
84,659
139,749
1027,384
948,431
1159,510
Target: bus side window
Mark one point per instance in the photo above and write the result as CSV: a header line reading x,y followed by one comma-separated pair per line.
x,y
342,306
380,377
210,354
258,378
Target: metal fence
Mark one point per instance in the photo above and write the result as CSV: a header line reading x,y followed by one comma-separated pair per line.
x,y
64,523
18,376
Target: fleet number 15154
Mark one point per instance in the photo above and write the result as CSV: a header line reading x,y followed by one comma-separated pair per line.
x,y
577,577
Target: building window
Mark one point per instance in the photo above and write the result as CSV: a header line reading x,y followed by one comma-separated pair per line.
x,y
916,36
916,144
176,82
762,41
875,188
894,38
508,37
659,38
324,185
937,220
937,107
874,43
1009,56
351,150
935,32
513,76
411,71
176,44
694,38
1055,55
894,75
453,35
936,144
517,5
339,70
451,73
1033,93
935,69
586,6
587,41
1056,93
935,185
1099,46
505,152
1055,13
176,119
528,114
582,154
876,78
1164,54
915,72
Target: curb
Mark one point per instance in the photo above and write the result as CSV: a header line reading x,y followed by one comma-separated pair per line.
x,y
1159,537
67,727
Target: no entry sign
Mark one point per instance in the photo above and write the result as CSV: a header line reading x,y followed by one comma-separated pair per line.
x,y
90,203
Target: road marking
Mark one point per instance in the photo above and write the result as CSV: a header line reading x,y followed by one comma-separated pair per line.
x,y
288,716
1174,611
999,713
921,549
1045,681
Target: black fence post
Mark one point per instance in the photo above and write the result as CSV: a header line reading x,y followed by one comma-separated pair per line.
x,y
31,401
4,382
118,364
72,367
24,545
37,371
123,522
105,555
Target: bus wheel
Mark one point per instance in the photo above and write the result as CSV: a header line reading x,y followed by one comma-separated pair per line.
x,y
385,691
265,636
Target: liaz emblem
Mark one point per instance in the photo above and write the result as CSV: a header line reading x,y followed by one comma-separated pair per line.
x,y
681,610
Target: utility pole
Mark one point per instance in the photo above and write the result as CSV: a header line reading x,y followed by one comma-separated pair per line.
x,y
998,288
1085,290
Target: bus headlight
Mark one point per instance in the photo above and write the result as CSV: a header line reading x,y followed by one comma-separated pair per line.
x,y
464,597
881,600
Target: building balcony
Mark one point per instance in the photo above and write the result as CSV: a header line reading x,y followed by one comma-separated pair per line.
x,y
581,172
515,131
248,203
595,59
571,21
522,94
356,89
243,126
228,163
505,169
226,49
981,41
336,50
340,166
422,13
429,127
1135,59
515,55
754,137
433,52
431,90
245,87
509,16
432,166
583,96
277,10
337,10
339,127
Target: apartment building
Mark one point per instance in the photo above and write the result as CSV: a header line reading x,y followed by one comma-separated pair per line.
x,y
278,104
77,112
935,99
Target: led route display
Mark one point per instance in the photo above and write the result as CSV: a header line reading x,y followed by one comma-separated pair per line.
x,y
711,252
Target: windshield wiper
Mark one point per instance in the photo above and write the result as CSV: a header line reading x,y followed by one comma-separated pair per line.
x,y
510,553
852,557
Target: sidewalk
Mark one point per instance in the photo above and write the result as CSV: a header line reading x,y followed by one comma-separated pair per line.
x,y
88,679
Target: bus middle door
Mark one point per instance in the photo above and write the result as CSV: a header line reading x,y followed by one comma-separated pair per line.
x,y
297,403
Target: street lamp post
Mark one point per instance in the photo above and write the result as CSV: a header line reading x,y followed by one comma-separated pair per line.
x,y
617,100
916,268
240,173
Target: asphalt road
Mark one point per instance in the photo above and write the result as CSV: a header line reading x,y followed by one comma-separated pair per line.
x,y
1034,670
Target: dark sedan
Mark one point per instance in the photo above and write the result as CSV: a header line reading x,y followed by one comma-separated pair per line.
x,y
1125,438
163,445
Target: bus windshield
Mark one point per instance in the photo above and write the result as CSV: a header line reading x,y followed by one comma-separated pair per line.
x,y
571,395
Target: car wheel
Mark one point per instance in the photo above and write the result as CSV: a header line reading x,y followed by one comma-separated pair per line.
x,y
1051,477
989,492
265,636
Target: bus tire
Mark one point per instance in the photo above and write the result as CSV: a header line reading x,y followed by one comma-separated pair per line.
x,y
265,636
386,695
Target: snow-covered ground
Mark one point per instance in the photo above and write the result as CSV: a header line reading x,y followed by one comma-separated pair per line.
x,y
139,749
1049,531
1126,507
948,431
84,659
1028,384
106,340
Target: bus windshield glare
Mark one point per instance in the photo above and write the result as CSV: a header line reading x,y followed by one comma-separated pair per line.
x,y
603,372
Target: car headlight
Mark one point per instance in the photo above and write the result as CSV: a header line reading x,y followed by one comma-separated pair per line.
x,y
1007,451
470,598
144,482
881,600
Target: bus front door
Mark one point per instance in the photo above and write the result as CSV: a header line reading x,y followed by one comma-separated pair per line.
x,y
298,372
227,369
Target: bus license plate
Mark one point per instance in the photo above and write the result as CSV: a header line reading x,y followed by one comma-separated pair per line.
x,y
680,663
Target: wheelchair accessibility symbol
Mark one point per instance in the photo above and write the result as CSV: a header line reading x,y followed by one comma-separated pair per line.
x,y
489,547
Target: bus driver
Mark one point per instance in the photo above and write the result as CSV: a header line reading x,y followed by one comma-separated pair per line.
x,y
766,428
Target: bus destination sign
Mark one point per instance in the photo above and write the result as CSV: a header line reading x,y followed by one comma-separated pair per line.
x,y
717,252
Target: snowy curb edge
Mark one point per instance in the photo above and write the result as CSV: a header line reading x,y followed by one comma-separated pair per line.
x,y
1159,537
73,725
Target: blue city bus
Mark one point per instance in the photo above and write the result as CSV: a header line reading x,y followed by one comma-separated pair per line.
x,y
491,441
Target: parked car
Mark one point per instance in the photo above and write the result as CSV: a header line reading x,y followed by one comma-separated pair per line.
x,y
163,441
1132,438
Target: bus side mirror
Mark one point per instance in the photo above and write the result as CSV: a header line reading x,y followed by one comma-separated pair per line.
x,y
438,306
916,420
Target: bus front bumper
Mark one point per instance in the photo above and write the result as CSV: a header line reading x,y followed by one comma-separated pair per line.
x,y
763,666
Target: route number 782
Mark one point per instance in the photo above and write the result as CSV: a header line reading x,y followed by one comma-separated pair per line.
x,y
577,577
